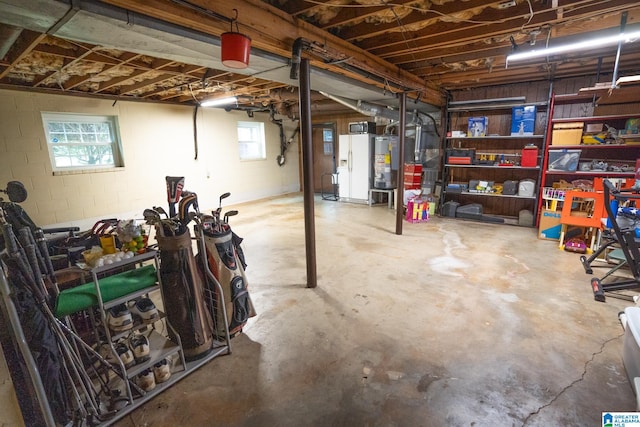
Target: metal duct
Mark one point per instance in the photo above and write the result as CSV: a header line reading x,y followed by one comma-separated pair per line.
x,y
369,109
8,34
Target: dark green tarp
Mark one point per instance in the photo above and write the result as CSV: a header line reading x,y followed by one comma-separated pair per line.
x,y
84,296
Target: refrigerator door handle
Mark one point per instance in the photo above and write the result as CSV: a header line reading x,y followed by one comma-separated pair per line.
x,y
350,162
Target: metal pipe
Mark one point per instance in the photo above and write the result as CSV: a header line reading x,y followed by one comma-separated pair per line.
x,y
307,171
296,58
623,24
400,179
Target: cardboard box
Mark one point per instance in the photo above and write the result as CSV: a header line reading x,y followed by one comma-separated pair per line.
x,y
412,176
523,120
567,133
477,126
549,227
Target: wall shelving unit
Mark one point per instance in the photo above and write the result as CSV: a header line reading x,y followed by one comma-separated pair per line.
x,y
496,156
620,158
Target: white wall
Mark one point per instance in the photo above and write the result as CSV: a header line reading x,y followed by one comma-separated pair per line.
x,y
157,140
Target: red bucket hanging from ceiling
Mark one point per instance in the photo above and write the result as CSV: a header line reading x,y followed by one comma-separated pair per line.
x,y
235,50
235,47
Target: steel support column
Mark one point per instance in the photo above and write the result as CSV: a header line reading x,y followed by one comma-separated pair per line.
x,y
307,171
400,179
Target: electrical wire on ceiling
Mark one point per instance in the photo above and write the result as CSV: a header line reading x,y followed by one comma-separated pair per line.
x,y
591,5
531,13
193,94
414,8
404,35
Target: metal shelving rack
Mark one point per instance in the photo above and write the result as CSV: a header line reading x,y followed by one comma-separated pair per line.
x,y
491,144
161,345
623,153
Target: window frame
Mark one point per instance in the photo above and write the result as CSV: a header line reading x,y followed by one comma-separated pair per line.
x,y
261,141
114,133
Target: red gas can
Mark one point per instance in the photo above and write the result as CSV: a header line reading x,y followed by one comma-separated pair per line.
x,y
529,156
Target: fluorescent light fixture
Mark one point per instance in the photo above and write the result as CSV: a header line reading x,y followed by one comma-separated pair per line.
x,y
219,101
582,45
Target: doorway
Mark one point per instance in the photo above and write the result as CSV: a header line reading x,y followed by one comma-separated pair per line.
x,y
324,148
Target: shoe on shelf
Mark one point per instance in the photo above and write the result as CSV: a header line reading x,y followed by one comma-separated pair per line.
x,y
125,354
145,309
140,346
162,371
145,380
119,318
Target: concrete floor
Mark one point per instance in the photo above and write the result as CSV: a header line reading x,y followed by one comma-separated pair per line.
x,y
453,323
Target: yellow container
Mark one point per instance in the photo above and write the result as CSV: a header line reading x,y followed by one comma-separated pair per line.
x,y
594,139
567,133
108,243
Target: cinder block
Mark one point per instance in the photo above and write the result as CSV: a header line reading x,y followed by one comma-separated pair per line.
x,y
9,123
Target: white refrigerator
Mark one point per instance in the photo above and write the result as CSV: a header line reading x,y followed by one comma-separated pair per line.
x,y
355,163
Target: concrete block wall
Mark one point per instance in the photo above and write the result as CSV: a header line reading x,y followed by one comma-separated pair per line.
x,y
157,140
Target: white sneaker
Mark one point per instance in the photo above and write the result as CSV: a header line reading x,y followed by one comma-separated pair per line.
x,y
145,309
119,318
140,346
145,380
162,371
125,355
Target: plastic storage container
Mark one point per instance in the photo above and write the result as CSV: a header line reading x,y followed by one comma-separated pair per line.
x,y
631,346
449,208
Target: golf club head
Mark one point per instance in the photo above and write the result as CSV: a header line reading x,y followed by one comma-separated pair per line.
x,y
174,188
175,184
188,201
228,214
223,196
151,216
161,211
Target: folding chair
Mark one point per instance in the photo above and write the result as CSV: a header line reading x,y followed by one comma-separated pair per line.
x,y
624,234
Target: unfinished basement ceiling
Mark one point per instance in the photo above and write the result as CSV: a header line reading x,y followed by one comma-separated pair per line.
x,y
369,50
461,44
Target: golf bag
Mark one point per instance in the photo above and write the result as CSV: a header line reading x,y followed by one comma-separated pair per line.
x,y
227,267
183,290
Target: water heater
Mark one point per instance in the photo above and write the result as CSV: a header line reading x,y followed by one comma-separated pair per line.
x,y
385,163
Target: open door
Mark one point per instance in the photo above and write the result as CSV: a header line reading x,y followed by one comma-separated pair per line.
x,y
324,149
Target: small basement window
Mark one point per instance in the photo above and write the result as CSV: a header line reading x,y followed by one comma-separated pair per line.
x,y
251,141
82,142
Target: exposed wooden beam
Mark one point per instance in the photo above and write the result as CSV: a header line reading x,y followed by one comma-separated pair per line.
x,y
79,80
25,43
115,81
394,43
349,16
274,31
460,13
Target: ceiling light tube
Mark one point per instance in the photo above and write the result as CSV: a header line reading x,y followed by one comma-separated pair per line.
x,y
219,101
587,44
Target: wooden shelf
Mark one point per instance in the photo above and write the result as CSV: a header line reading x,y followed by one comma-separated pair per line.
x,y
480,193
497,137
493,167
591,118
592,146
592,173
479,105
